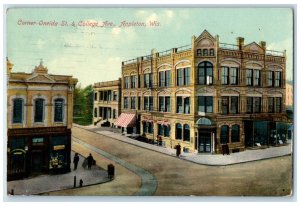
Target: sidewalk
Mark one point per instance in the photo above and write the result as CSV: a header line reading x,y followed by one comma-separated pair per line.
x,y
205,159
47,183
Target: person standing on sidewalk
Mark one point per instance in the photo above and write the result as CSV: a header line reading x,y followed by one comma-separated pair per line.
x,y
90,161
76,160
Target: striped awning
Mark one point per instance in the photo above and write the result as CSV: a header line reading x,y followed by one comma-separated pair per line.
x,y
125,120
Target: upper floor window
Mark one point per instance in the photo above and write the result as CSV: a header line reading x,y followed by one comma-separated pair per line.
x,y
147,80
126,82
274,104
256,77
95,96
205,104
225,76
125,102
133,81
205,73
183,76
164,78
277,79
253,104
229,105
132,102
148,103
211,52
233,76
183,105
205,52
164,104
253,77
39,110
115,96
249,76
18,110
58,110
198,52
270,78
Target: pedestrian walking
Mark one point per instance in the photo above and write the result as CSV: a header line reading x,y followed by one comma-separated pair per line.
x,y
178,150
76,160
90,161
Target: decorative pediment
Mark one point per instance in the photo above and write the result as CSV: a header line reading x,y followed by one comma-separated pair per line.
x,y
44,78
182,63
147,70
230,91
253,47
164,67
183,91
205,39
274,66
205,90
254,92
253,65
230,62
274,93
164,92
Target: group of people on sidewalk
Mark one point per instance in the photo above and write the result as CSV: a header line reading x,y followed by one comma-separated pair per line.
x,y
89,161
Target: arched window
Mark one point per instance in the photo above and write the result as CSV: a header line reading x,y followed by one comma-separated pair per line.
x,y
205,73
186,132
39,110
235,133
224,134
18,110
58,110
178,131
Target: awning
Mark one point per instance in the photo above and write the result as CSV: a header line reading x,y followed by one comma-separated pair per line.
x,y
125,120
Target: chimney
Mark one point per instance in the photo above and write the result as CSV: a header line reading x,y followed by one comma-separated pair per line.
x,y
240,42
263,44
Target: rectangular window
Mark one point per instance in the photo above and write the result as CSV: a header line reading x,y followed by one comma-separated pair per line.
x,y
168,78
186,105
257,104
39,110
225,105
198,52
277,79
162,79
201,76
179,77
270,104
133,81
167,104
249,104
278,104
125,102
139,103
147,80
234,105
95,96
249,75
205,104
224,75
115,96
58,110
127,83
187,76
270,78
132,102
233,76
256,77
18,111
161,104
151,103
146,103
101,95
179,108
166,131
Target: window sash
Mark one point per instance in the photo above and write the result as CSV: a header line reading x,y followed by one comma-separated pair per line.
x,y
257,104
233,76
249,73
58,111
271,104
186,105
179,105
270,78
39,110
225,75
234,105
225,105
168,78
186,76
256,77
179,77
161,79
17,111
125,102
277,79
278,104
132,102
167,104
161,104
249,104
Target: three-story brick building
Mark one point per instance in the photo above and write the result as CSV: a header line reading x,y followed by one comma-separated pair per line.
x,y
207,95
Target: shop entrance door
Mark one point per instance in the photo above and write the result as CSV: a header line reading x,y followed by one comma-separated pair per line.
x,y
205,142
36,162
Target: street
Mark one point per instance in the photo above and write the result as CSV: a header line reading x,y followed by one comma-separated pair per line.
x,y
176,177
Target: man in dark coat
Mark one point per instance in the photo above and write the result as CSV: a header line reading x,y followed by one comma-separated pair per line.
x,y
178,150
90,161
76,160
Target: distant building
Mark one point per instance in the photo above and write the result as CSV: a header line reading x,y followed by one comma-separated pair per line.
x,y
39,121
107,102
289,95
207,95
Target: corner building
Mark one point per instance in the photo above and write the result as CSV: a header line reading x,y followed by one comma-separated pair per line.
x,y
39,122
208,94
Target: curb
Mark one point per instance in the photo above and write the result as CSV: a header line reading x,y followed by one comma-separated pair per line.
x,y
184,159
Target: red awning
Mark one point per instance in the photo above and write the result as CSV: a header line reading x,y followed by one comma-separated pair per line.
x,y
125,120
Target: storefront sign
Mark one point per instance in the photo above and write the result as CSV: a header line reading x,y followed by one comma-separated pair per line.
x,y
58,147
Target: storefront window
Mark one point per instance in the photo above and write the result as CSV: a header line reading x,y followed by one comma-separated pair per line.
x,y
235,133
58,154
224,134
186,132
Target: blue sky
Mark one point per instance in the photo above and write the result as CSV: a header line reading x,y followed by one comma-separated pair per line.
x,y
94,54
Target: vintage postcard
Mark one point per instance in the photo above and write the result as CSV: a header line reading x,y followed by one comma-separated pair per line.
x,y
150,101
